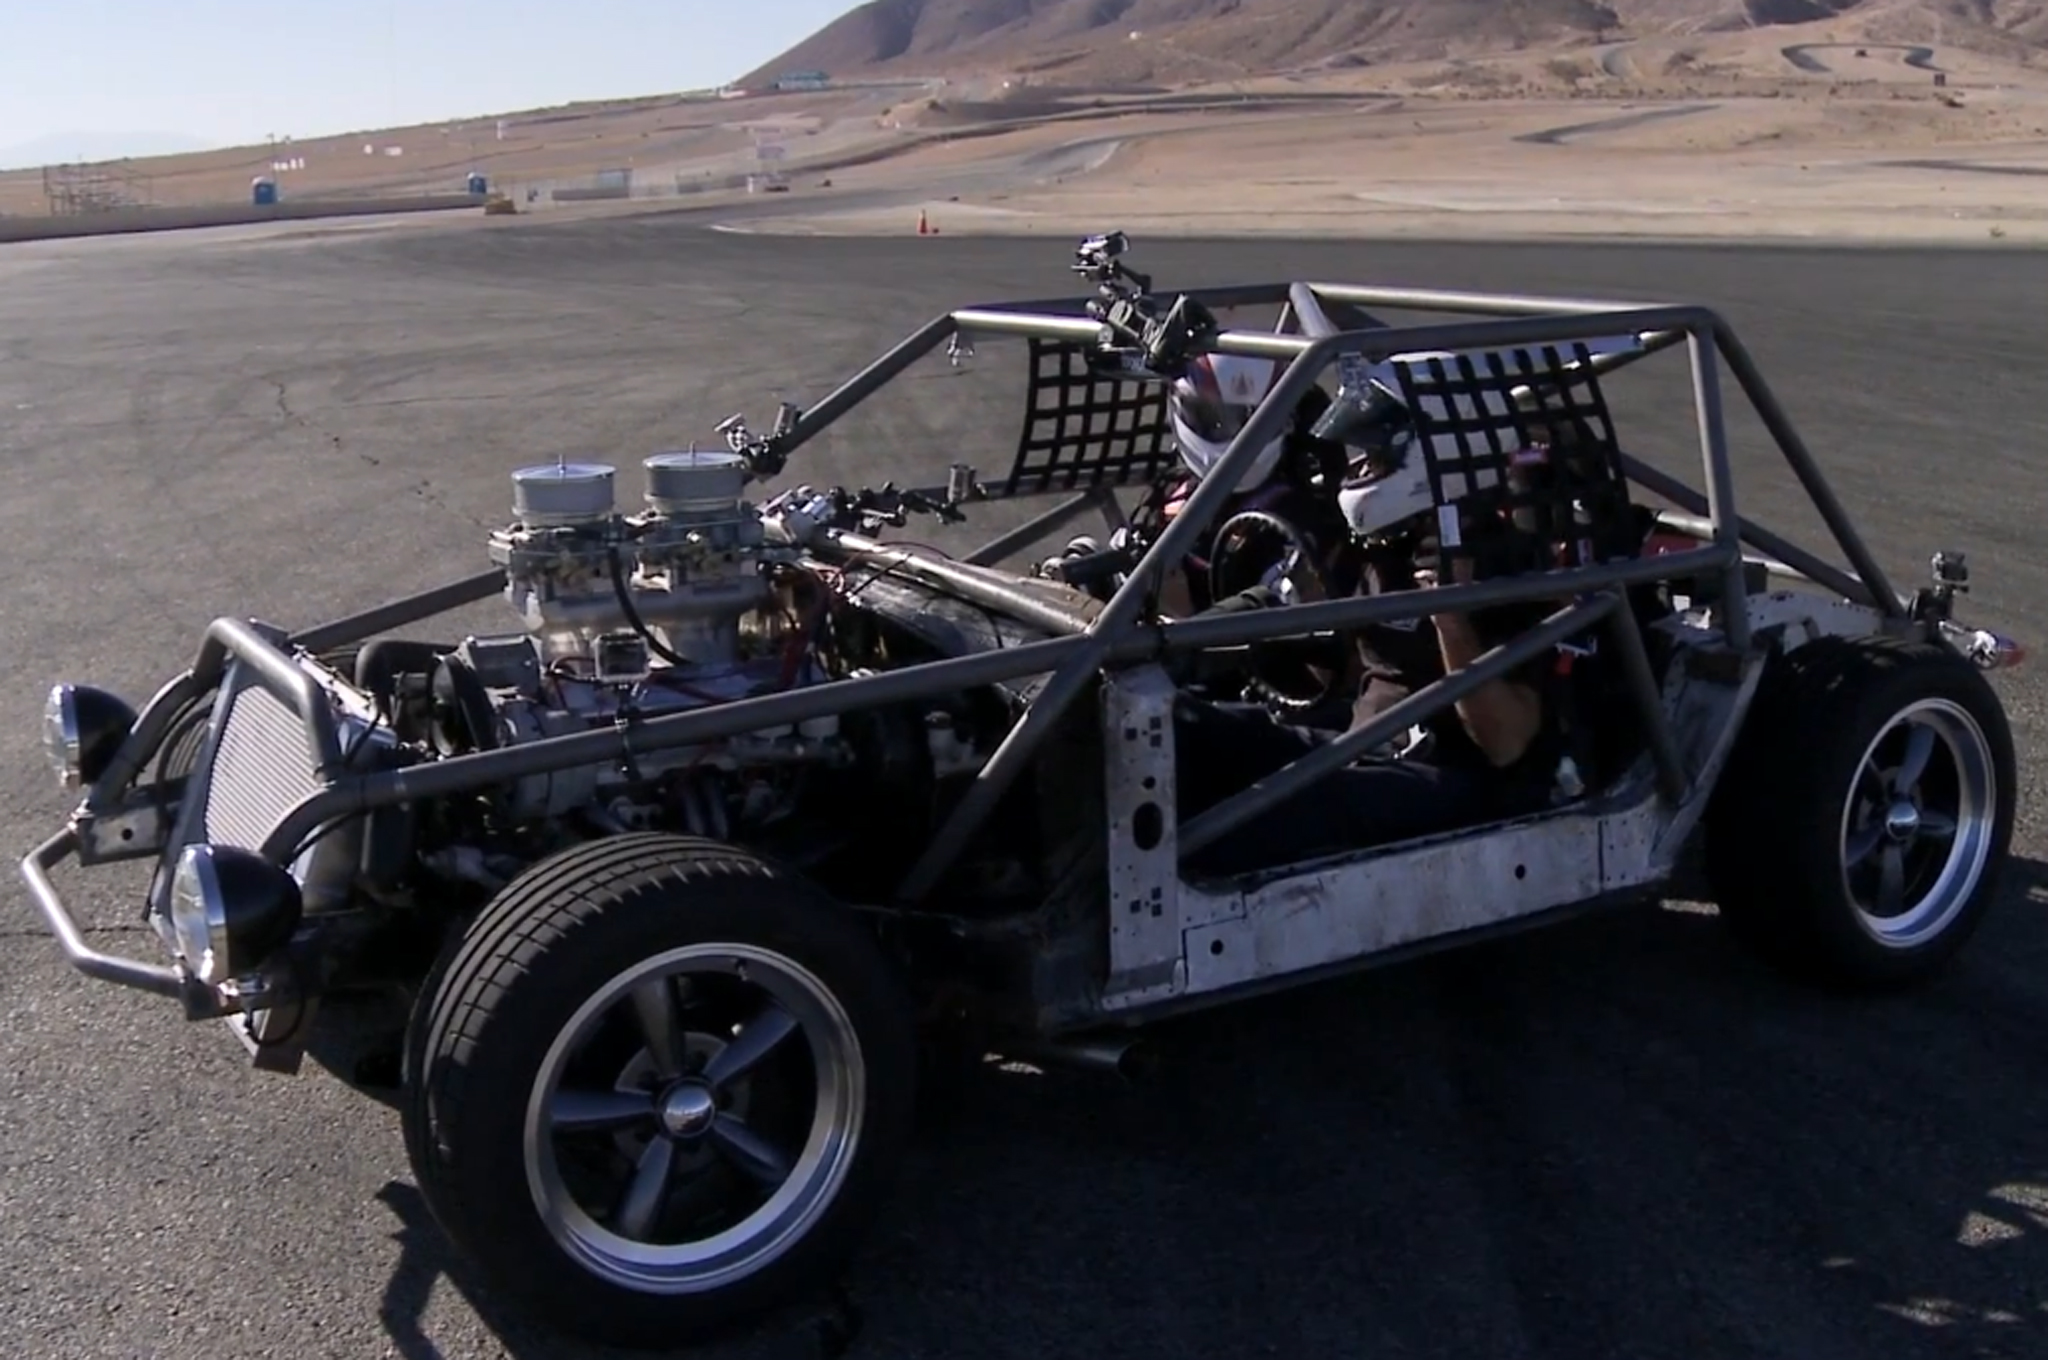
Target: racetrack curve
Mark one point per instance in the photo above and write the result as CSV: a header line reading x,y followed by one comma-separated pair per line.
x,y
1558,136
1799,54
1971,167
1615,1139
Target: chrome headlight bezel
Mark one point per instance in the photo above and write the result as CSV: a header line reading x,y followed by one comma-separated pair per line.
x,y
61,745
231,910
83,726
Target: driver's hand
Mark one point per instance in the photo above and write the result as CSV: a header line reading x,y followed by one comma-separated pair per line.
x,y
1426,578
1461,575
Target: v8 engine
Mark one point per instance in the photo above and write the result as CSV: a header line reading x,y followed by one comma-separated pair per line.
x,y
681,603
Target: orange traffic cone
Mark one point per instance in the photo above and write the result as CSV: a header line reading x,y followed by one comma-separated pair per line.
x,y
924,226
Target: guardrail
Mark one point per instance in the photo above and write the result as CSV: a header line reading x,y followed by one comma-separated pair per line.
x,y
126,221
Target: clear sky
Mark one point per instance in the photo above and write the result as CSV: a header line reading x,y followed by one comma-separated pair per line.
x,y
235,71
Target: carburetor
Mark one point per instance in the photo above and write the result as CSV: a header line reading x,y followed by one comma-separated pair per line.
x,y
685,569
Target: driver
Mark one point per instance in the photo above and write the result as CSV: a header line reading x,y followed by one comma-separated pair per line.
x,y
1494,755
1290,478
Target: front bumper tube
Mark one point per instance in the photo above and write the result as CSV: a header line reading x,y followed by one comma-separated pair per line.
x,y
161,979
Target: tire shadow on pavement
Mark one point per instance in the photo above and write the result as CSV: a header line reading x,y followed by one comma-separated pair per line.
x,y
1618,1136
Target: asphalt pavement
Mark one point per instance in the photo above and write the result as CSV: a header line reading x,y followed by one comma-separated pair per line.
x,y
1619,1138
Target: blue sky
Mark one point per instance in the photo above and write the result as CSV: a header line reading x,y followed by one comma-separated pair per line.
x,y
234,71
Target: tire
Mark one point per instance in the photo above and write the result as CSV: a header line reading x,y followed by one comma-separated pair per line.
x,y
1799,836
533,997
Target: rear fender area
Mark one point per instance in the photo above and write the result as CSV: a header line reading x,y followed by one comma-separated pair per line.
x,y
1791,619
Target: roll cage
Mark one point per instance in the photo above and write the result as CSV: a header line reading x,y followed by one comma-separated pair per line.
x,y
1093,425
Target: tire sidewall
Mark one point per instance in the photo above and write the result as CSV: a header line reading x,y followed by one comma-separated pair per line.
x,y
1784,857
477,1143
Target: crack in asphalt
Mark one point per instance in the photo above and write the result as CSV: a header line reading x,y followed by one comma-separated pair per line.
x,y
424,488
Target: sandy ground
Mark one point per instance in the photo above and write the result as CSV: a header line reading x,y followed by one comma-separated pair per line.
x,y
658,138
1739,136
1729,136
1870,168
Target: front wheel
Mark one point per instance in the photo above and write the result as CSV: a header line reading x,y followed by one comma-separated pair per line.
x,y
1858,834
661,1086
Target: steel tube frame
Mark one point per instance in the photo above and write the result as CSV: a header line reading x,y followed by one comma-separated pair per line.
x,y
1050,705
961,580
1652,342
1765,403
1796,558
274,670
1117,636
1706,388
1239,627
1140,644
869,380
460,774
1068,510
1291,779
142,742
277,672
996,549
1219,297
1673,779
401,613
1115,633
1305,305
162,979
1017,319
1477,304
1083,330
935,332
1070,670
1700,527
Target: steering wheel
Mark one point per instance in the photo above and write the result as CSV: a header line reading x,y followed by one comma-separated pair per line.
x,y
1257,548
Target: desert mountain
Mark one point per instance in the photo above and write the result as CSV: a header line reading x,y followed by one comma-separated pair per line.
x,y
1178,40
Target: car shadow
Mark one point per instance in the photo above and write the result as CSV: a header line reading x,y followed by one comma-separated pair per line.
x,y
825,1332
1618,1136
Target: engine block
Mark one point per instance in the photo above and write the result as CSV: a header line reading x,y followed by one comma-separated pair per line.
x,y
524,698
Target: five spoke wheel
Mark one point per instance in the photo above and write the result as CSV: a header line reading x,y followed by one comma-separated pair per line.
x,y
693,1115
658,1086
1860,825
1916,829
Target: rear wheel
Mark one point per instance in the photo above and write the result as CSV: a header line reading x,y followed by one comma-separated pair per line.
x,y
1859,832
661,1086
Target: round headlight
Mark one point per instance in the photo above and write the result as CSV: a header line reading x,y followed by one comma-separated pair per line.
x,y
230,910
82,729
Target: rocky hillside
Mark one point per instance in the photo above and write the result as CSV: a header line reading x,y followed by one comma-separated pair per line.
x,y
1179,40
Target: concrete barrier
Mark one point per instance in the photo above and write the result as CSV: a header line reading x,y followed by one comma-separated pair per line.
x,y
124,221
592,193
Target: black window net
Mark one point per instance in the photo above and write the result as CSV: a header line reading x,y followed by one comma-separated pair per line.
x,y
1522,461
1084,427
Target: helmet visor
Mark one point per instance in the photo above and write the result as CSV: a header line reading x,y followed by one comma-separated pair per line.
x,y
1370,422
1216,397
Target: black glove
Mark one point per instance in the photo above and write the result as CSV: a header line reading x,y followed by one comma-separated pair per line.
x,y
1256,597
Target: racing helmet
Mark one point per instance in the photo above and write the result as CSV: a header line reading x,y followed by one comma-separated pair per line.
x,y
1211,402
1387,480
